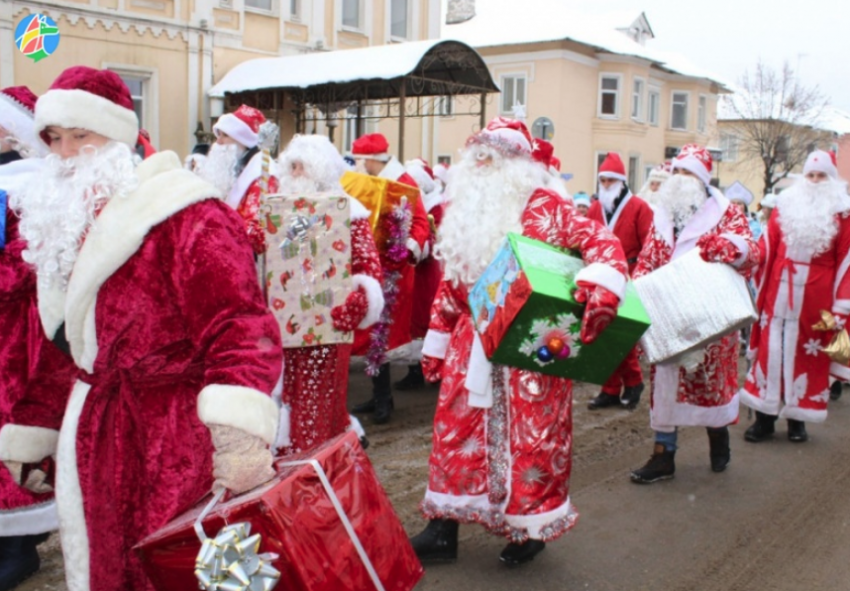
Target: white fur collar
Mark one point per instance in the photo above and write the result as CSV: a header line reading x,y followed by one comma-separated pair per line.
x,y
706,218
165,188
392,170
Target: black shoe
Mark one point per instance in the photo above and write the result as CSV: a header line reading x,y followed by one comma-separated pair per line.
x,y
437,542
631,396
383,410
364,407
835,390
763,428
18,560
413,380
516,554
603,400
797,431
661,466
364,442
719,452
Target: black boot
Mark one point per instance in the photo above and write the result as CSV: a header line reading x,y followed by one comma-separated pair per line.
x,y
835,390
603,400
718,445
631,396
761,429
797,431
661,466
383,396
437,542
364,407
515,554
413,380
18,560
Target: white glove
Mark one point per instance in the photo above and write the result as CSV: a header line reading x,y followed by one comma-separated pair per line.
x,y
36,479
241,461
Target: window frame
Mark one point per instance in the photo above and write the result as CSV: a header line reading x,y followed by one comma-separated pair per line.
x,y
150,94
637,96
272,9
653,117
513,76
633,173
408,20
360,17
444,106
673,94
702,112
601,91
296,15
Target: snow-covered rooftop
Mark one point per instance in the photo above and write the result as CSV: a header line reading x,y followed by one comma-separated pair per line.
x,y
829,119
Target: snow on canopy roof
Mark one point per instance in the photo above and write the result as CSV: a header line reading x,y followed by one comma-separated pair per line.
x,y
552,20
382,62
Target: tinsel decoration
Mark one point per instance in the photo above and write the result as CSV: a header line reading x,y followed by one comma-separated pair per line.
x,y
398,222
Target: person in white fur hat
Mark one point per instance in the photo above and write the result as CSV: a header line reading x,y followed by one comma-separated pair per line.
x,y
691,214
805,271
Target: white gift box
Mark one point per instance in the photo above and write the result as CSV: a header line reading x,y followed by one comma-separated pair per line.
x,y
690,304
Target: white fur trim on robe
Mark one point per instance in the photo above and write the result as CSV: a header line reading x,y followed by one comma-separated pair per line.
x,y
374,297
392,170
667,413
358,210
165,188
284,427
30,521
436,343
605,276
414,248
535,523
240,407
479,376
25,444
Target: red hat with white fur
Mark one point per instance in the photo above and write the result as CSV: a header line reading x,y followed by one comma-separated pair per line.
x,y
612,167
509,136
85,98
373,146
243,125
17,112
695,159
820,161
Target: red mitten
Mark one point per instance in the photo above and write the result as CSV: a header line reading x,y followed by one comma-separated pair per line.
x,y
432,368
717,249
346,317
600,309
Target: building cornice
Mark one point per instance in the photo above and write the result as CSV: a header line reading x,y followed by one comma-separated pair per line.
x,y
546,54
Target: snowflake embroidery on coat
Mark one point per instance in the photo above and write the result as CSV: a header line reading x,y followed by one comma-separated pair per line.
x,y
812,347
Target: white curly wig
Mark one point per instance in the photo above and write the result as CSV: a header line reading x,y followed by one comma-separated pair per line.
x,y
322,162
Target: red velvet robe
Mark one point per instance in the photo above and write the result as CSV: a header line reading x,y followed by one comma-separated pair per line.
x,y
315,383
29,361
707,396
426,280
508,467
790,375
166,319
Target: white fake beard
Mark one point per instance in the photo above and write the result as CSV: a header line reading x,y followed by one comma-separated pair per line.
x,y
648,195
807,216
484,204
219,167
322,164
59,209
681,196
609,195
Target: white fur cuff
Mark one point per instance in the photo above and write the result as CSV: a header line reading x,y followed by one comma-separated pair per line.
x,y
605,276
741,245
240,407
374,295
414,247
436,343
19,443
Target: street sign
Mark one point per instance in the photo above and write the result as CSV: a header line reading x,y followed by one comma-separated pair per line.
x,y
543,128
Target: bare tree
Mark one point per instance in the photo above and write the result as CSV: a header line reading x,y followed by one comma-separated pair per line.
x,y
775,119
460,11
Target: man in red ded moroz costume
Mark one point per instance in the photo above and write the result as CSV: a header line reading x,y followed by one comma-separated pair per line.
x,y
699,389
630,219
29,362
151,279
234,165
804,273
502,442
373,151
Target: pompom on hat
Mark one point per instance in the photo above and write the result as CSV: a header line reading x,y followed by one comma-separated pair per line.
x,y
243,125
695,159
373,146
820,161
612,167
85,98
508,136
17,113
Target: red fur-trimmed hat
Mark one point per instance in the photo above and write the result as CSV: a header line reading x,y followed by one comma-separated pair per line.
x,y
96,100
508,136
695,159
243,125
612,167
373,146
17,112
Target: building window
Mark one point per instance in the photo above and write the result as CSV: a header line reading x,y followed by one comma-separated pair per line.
x,y
647,170
399,18
259,4
634,169
679,111
444,160
654,106
444,106
729,147
609,92
600,158
513,93
701,107
637,99
351,14
295,10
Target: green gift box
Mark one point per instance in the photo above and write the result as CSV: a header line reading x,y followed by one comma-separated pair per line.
x,y
524,311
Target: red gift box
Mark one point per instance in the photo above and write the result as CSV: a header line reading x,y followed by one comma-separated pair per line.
x,y
298,521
